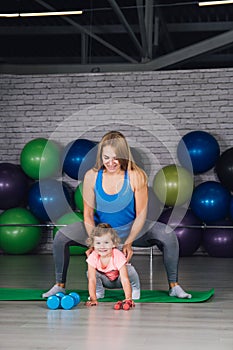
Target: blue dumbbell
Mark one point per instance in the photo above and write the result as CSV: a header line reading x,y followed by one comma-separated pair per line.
x,y
70,300
54,301
76,296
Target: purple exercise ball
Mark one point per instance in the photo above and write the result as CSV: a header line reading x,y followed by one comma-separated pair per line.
x,y
13,186
189,238
218,242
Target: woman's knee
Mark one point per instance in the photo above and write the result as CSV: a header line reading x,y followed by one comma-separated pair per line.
x,y
162,233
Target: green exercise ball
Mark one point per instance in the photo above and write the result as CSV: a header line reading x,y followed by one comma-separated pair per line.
x,y
78,197
67,219
40,158
18,239
173,185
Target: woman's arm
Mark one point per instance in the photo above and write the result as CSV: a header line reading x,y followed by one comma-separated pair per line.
x,y
141,201
125,282
89,200
92,286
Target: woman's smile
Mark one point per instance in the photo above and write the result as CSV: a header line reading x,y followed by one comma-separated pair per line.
x,y
110,160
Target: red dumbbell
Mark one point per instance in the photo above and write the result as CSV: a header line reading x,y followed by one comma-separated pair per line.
x,y
127,304
118,305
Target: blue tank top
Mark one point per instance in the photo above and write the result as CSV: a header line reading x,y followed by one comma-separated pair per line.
x,y
118,210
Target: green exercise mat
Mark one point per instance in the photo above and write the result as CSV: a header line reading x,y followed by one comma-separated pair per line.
x,y
147,296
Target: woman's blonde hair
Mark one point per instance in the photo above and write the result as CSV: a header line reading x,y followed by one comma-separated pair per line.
x,y
118,141
101,230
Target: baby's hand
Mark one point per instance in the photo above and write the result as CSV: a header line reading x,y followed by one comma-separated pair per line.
x,y
91,303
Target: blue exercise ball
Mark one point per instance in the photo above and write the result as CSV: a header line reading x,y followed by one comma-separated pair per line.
x,y
218,241
231,208
49,199
210,201
187,228
79,156
13,186
198,151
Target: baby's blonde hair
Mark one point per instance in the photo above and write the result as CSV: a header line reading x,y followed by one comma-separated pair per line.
x,y
100,230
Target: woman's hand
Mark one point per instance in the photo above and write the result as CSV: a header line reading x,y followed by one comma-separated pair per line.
x,y
89,251
127,251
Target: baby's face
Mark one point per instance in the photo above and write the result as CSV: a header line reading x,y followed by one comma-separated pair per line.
x,y
103,245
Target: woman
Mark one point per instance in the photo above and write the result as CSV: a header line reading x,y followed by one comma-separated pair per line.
x,y
115,191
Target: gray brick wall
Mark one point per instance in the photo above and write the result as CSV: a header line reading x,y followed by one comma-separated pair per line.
x,y
153,109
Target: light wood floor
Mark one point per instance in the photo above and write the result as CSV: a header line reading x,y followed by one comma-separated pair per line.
x,y
202,326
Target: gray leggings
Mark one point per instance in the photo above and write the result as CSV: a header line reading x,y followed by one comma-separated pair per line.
x,y
102,281
158,234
